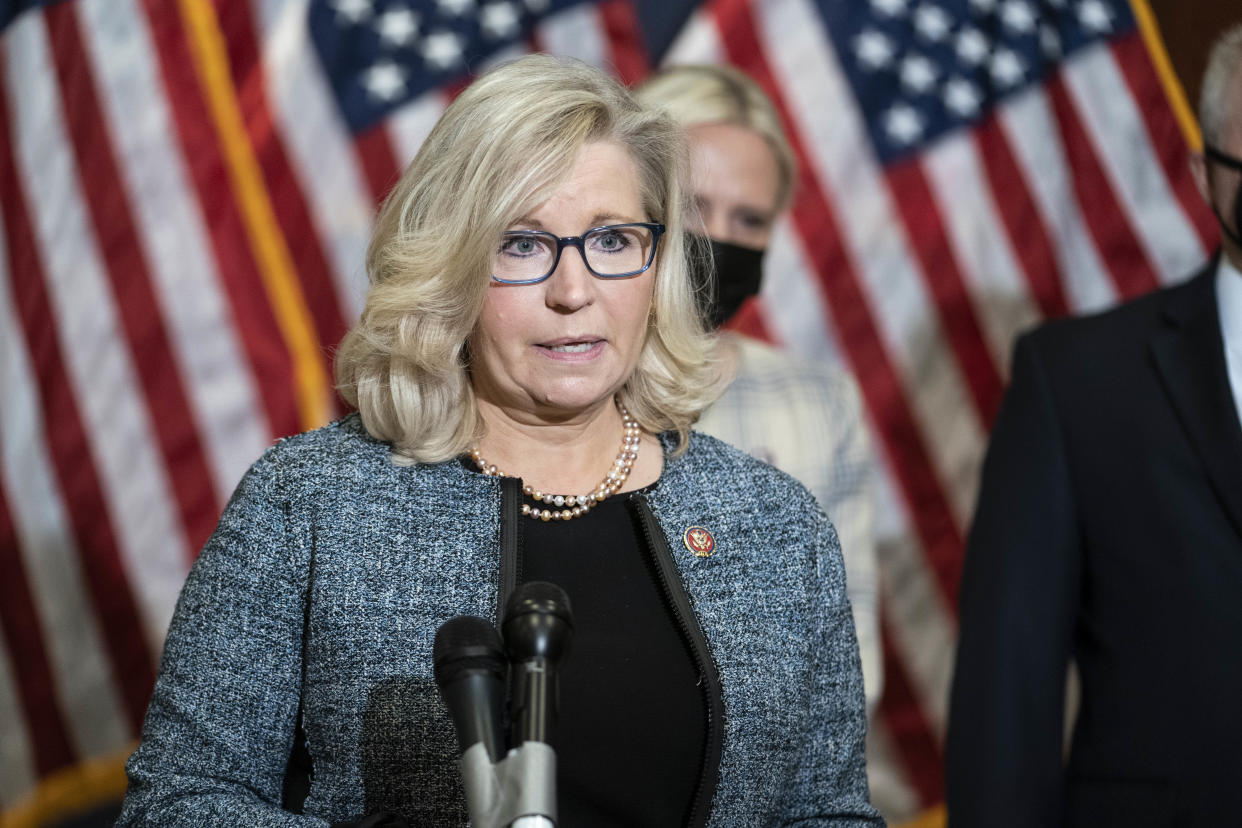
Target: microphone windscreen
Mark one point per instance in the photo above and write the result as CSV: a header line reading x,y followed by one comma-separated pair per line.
x,y
467,643
539,597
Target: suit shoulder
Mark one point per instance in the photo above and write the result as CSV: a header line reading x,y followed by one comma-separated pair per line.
x,y
331,455
346,436
718,465
1117,330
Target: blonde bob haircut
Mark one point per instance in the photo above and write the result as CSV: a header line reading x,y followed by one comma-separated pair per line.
x,y
499,150
700,94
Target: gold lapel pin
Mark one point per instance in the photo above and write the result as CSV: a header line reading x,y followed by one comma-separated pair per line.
x,y
699,541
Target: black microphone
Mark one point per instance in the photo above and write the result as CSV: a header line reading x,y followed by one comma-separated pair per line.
x,y
537,627
470,670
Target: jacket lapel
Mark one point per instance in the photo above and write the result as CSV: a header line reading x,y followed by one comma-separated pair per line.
x,y
1190,358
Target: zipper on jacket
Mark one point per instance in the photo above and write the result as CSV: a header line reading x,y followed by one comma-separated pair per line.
x,y
677,600
510,543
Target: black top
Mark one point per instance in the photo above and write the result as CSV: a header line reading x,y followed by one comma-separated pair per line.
x,y
632,724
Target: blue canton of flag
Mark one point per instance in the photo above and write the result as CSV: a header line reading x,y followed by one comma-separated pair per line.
x,y
380,54
920,68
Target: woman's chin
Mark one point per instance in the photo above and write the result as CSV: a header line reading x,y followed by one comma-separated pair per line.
x,y
574,399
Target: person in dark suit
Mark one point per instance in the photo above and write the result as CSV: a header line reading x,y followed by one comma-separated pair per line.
x,y
1109,531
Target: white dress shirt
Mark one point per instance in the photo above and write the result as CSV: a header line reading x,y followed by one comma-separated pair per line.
x,y
1229,304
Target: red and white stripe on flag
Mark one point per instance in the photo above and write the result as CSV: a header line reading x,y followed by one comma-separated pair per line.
x,y
183,220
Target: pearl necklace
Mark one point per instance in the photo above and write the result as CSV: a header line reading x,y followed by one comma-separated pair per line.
x,y
569,507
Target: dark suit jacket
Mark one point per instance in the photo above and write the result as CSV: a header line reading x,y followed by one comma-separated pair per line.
x,y
1108,530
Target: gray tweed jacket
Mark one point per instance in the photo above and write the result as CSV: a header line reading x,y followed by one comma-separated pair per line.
x,y
331,570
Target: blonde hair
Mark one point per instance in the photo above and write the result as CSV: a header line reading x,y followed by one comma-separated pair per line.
x,y
1224,64
498,151
698,94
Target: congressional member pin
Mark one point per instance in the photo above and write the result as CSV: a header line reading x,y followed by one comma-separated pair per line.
x,y
699,541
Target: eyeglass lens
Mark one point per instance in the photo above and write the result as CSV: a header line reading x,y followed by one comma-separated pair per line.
x,y
609,251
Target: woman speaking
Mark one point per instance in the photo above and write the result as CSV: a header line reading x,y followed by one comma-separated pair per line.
x,y
526,372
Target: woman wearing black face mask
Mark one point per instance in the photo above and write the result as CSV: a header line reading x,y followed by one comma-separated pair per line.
x,y
803,418
742,174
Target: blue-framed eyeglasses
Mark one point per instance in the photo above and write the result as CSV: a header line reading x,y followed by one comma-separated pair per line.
x,y
614,251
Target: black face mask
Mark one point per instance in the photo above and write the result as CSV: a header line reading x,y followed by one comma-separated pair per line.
x,y
1225,160
733,280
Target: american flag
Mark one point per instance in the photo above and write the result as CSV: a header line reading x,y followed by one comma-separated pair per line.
x,y
186,189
